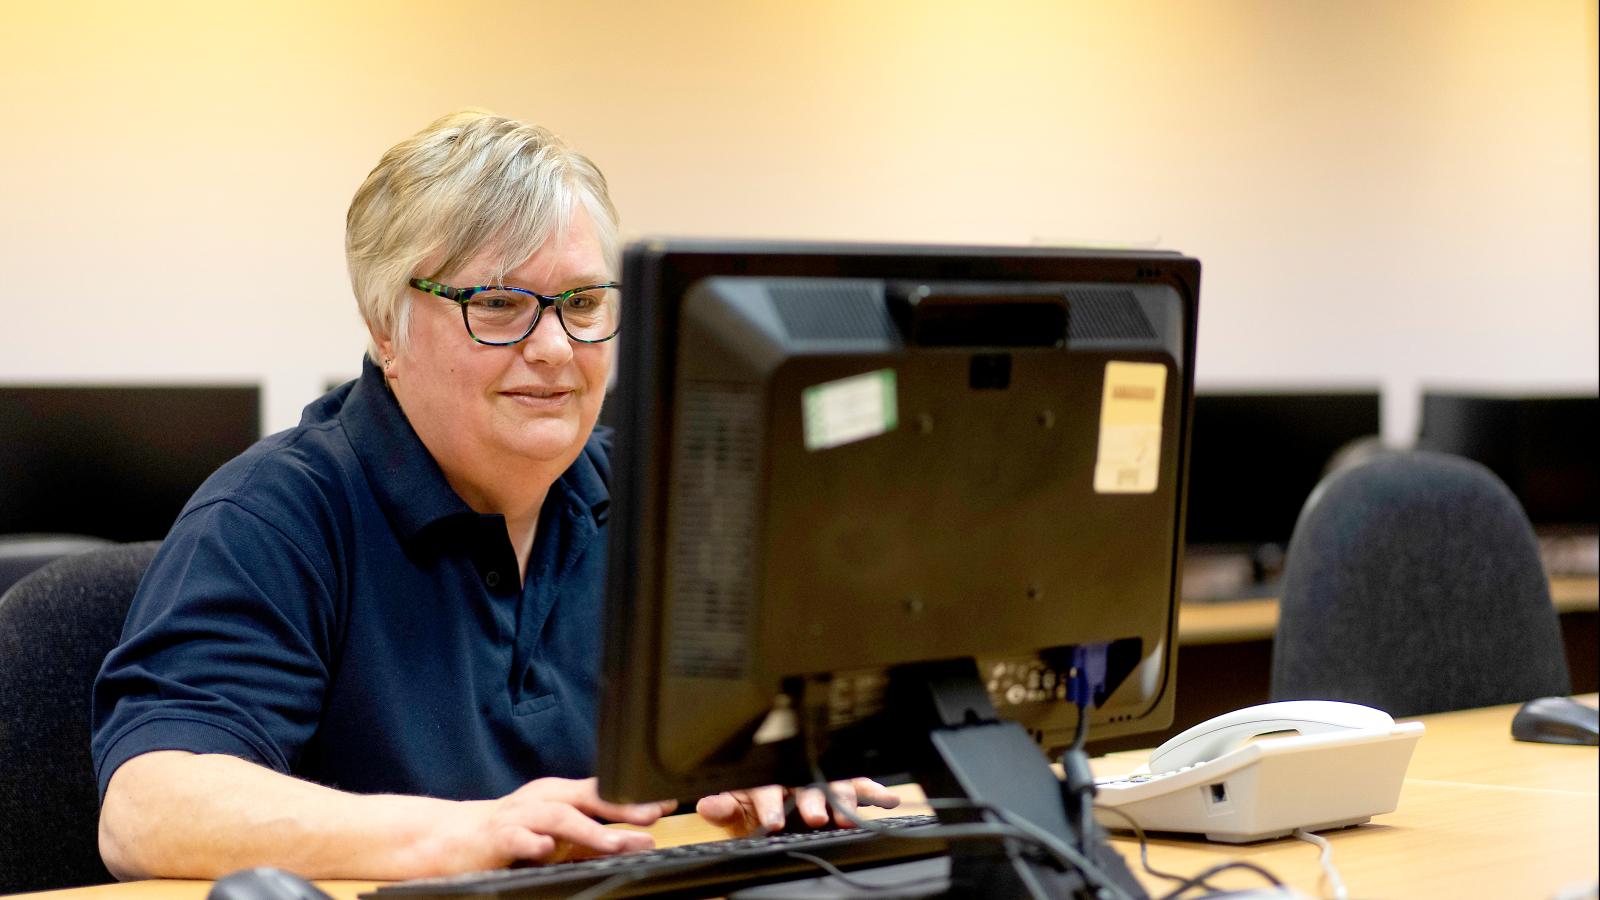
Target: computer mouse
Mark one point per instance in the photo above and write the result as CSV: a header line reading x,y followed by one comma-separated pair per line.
x,y
265,884
1557,720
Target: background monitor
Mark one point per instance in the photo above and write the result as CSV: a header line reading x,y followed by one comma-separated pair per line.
x,y
116,462
1257,455
838,464
1543,447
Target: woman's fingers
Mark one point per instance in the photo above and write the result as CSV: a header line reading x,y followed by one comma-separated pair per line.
x,y
746,810
767,803
764,807
871,793
549,820
577,835
584,794
720,809
517,843
813,807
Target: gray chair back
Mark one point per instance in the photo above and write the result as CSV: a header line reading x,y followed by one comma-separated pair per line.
x,y
1413,584
56,627
23,553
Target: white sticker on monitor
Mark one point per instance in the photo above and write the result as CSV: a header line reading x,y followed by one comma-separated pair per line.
x,y
849,410
1129,461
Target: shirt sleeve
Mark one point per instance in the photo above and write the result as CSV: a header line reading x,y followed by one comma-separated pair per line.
x,y
227,645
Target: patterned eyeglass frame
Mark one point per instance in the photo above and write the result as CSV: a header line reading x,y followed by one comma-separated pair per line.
x,y
461,296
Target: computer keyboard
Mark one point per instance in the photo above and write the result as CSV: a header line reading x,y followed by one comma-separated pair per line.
x,y
714,867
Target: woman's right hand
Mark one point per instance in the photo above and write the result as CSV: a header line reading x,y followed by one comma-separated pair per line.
x,y
545,821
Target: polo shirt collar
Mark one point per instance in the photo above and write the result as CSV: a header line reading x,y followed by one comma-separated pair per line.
x,y
409,485
587,481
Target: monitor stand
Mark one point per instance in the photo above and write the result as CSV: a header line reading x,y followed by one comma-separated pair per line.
x,y
971,754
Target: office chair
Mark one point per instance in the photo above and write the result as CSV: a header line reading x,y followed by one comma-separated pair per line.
x,y
1413,584
56,626
23,553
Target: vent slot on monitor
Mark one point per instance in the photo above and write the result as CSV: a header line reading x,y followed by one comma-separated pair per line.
x,y
821,311
1106,315
711,585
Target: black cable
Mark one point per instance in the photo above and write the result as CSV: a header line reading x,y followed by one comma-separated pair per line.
x,y
1080,734
859,885
1200,879
1078,780
1065,854
1144,850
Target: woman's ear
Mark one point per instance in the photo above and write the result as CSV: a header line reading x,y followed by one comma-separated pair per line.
x,y
386,351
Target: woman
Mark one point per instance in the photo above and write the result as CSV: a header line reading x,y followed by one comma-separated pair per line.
x,y
363,637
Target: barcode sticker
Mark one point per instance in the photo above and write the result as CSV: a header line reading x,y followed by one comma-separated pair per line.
x,y
1129,459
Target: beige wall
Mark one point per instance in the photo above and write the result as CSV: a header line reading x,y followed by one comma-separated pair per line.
x,y
1381,192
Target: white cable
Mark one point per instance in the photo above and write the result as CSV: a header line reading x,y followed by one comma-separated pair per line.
x,y
1332,874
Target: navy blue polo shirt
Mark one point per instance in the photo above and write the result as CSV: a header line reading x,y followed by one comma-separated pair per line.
x,y
328,607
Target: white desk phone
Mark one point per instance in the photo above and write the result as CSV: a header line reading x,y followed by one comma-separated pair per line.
x,y
1344,766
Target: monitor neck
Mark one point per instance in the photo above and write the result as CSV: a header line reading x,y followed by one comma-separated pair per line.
x,y
962,751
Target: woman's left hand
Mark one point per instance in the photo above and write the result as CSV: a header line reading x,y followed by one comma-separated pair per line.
x,y
763,807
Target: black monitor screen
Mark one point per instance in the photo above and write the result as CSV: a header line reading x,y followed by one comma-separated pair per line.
x,y
116,462
1543,447
836,463
1257,456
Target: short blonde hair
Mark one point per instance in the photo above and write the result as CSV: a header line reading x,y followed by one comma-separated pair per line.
x,y
470,183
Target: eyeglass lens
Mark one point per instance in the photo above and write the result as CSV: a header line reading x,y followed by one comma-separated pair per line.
x,y
505,316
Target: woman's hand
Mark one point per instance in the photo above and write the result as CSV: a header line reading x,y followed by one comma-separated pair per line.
x,y
763,808
546,821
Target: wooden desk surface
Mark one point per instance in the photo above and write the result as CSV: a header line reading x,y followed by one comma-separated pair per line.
x,y
1446,839
1253,620
1472,747
1480,815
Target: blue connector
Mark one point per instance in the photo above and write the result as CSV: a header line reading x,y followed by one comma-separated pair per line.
x,y
1087,680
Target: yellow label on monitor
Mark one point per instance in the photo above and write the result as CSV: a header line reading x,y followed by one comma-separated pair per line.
x,y
1129,461
849,410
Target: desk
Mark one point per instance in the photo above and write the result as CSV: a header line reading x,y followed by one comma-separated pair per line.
x,y
1480,815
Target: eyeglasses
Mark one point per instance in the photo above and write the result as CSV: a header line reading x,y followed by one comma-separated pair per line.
x,y
498,315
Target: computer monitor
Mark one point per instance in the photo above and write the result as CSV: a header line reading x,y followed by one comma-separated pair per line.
x,y
1257,455
1543,447
866,494
116,462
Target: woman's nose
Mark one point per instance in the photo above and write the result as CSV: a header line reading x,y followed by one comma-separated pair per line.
x,y
549,342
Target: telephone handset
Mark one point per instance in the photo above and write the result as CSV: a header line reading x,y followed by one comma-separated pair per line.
x,y
1344,766
1214,737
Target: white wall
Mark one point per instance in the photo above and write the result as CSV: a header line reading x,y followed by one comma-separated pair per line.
x,y
1382,192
